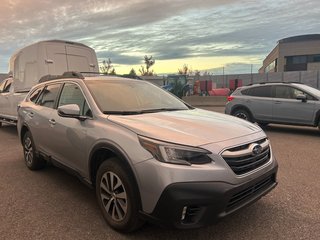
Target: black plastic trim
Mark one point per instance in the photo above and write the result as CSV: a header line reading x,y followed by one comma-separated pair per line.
x,y
209,201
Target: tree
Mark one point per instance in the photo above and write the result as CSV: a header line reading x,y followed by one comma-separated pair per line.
x,y
107,67
185,70
149,62
132,73
113,72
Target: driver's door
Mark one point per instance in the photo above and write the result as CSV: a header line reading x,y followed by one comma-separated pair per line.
x,y
69,138
288,109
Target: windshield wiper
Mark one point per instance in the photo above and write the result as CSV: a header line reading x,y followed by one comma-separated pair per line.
x,y
161,110
154,110
121,112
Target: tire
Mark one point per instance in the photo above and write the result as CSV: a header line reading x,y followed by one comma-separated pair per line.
x,y
263,125
117,196
243,114
32,161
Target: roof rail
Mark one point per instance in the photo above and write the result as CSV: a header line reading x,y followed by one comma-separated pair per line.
x,y
72,74
49,77
273,82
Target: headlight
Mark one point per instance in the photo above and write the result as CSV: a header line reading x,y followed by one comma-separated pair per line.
x,y
176,154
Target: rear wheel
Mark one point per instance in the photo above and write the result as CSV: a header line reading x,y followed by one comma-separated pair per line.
x,y
32,161
243,114
117,196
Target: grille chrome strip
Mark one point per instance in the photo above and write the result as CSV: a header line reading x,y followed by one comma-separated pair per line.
x,y
242,159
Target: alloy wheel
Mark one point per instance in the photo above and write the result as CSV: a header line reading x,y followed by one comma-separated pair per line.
x,y
28,150
113,196
242,115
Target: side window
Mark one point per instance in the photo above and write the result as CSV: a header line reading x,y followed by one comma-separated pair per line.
x,y
5,86
263,91
297,92
287,92
72,94
2,85
49,95
34,95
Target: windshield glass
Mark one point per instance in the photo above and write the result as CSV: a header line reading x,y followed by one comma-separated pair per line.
x,y
132,97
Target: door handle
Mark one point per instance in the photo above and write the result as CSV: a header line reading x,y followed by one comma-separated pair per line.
x,y
277,102
52,121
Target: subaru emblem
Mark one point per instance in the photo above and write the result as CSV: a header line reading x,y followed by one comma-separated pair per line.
x,y
256,149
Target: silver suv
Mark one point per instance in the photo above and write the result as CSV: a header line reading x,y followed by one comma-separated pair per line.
x,y
149,155
282,103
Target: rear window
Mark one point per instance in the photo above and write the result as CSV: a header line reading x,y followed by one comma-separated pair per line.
x,y
261,91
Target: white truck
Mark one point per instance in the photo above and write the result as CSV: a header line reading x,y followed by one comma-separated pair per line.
x,y
28,65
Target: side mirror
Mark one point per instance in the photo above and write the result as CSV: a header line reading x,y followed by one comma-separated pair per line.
x,y
69,111
302,97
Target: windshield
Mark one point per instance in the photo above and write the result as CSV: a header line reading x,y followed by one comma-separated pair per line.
x,y
132,97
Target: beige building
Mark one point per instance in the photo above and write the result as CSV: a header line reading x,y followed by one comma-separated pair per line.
x,y
299,53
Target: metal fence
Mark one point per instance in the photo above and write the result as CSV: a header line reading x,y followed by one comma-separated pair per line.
x,y
311,78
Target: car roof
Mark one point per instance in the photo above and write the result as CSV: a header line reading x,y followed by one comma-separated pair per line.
x,y
275,83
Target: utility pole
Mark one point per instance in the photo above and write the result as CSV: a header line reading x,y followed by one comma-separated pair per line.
x,y
223,77
251,74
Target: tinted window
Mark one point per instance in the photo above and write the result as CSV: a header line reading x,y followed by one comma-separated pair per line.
x,y
49,95
5,86
72,94
263,91
296,92
283,92
2,86
34,96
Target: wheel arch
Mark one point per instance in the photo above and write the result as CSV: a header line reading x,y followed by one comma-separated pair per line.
x,y
23,131
238,107
317,118
102,152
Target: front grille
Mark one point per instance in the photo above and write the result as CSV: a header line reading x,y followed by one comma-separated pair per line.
x,y
249,192
243,159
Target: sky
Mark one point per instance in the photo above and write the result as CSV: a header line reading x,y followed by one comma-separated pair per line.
x,y
218,36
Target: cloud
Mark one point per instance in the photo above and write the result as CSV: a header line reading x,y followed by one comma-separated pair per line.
x,y
125,30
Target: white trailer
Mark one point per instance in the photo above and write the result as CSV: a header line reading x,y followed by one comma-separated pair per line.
x,y
29,64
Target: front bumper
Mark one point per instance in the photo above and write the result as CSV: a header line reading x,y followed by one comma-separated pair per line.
x,y
197,204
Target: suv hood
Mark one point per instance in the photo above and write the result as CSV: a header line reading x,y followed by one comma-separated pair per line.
x,y
188,127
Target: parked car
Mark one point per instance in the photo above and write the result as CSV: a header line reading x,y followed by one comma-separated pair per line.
x,y
282,103
149,155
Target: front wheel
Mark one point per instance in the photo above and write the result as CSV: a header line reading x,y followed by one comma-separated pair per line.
x,y
32,161
263,124
117,196
243,114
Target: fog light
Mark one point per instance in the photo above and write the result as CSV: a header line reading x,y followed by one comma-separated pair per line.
x,y
184,211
